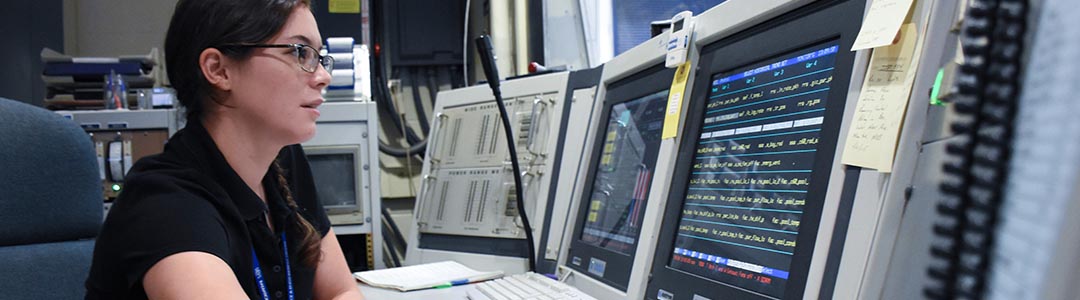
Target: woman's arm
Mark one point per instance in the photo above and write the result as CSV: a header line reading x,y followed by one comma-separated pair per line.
x,y
174,277
333,281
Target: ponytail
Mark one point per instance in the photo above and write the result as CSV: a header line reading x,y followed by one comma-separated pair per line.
x,y
310,240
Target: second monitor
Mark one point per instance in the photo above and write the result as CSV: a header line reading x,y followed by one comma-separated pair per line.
x,y
744,220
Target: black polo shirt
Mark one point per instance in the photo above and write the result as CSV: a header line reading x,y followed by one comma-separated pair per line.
x,y
188,198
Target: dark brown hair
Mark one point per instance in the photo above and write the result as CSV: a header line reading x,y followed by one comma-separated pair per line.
x,y
310,239
200,24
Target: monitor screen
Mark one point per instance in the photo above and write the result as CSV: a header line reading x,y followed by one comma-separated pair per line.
x,y
751,170
620,184
335,178
621,165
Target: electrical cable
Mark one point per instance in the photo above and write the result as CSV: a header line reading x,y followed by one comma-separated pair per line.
x,y
421,114
465,47
395,230
392,237
417,149
381,94
491,72
410,136
390,248
433,86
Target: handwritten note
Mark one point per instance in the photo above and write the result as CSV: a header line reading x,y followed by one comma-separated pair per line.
x,y
881,23
879,114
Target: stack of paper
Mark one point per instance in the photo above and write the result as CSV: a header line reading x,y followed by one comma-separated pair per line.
x,y
433,275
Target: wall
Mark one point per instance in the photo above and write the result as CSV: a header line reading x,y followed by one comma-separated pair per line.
x,y
28,26
74,27
111,28
118,27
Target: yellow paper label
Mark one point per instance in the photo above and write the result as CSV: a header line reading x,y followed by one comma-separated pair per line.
x,y
344,6
879,114
674,102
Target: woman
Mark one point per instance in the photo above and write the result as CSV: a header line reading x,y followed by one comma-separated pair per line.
x,y
228,210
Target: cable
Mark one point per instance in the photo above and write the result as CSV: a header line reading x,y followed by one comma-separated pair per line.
x,y
491,72
465,47
408,162
418,146
391,250
433,86
421,114
396,231
417,149
392,237
381,94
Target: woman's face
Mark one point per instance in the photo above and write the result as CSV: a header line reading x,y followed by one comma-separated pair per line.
x,y
272,93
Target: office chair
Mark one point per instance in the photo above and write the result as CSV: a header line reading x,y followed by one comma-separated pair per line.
x,y
50,204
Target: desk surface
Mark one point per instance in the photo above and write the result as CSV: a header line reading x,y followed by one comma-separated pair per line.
x,y
453,293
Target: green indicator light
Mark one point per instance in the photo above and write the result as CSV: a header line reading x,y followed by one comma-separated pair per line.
x,y
937,89
116,187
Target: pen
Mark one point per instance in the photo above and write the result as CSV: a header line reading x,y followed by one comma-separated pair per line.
x,y
456,283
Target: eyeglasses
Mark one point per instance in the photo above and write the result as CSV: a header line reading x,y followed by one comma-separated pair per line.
x,y
308,57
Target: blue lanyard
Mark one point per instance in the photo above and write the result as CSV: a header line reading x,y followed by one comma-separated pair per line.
x,y
259,275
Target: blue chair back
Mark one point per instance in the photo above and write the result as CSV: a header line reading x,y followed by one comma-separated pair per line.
x,y
50,204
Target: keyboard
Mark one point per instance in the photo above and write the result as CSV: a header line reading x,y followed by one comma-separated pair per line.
x,y
525,286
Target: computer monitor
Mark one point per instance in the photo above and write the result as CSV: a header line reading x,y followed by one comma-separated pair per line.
x,y
338,173
344,160
742,221
581,97
621,178
611,209
623,170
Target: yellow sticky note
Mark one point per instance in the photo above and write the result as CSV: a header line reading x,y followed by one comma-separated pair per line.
x,y
344,6
879,114
881,23
674,102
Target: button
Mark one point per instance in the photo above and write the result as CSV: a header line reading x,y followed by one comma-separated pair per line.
x,y
278,294
277,269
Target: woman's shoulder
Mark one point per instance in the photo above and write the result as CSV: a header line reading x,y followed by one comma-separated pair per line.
x,y
158,186
161,211
159,174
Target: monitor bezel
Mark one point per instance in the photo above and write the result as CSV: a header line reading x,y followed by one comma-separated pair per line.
x,y
814,24
355,151
618,265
